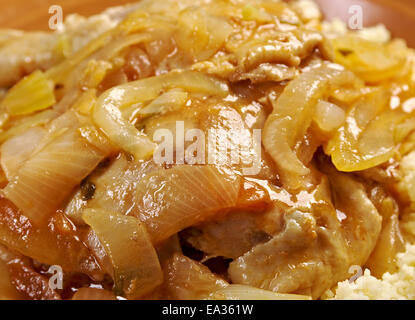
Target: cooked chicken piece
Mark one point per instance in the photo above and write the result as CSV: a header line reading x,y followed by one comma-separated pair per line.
x,y
266,72
386,174
390,243
317,246
231,237
239,231
271,55
278,47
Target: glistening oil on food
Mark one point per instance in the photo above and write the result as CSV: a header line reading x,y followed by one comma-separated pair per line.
x,y
208,149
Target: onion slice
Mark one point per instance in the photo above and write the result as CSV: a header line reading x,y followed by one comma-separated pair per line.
x,y
46,244
15,151
33,93
172,200
137,270
328,116
49,176
367,137
243,292
187,279
371,61
108,116
293,114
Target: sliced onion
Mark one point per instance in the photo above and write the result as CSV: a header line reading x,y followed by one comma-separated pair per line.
x,y
115,188
172,200
105,47
20,126
190,280
33,93
242,292
137,270
328,116
93,294
366,139
108,116
120,131
390,241
48,177
56,243
250,12
201,34
292,116
171,100
372,61
99,252
60,72
378,138
94,68
14,152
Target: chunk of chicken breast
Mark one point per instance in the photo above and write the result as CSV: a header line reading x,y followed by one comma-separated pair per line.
x,y
317,246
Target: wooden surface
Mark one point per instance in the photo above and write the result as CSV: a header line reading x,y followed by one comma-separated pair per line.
x,y
34,14
398,15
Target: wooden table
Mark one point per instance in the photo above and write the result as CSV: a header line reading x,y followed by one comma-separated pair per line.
x,y
34,14
398,15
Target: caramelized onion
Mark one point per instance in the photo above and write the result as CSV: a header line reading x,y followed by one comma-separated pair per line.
x,y
328,116
48,177
59,73
292,116
372,61
367,137
135,262
108,117
54,244
172,200
31,94
208,33
20,126
14,152
187,279
242,292
171,100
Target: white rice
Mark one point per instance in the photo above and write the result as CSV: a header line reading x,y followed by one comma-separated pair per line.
x,y
397,286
